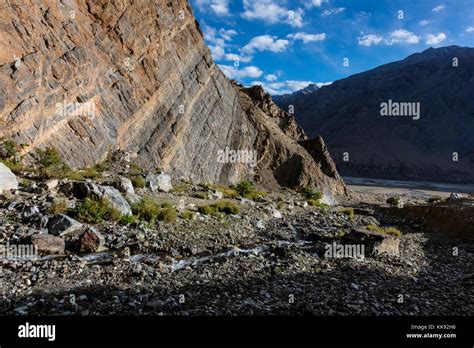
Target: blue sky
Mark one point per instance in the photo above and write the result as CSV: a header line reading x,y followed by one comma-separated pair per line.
x,y
287,44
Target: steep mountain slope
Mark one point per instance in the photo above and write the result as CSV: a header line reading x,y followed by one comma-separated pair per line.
x,y
348,114
89,77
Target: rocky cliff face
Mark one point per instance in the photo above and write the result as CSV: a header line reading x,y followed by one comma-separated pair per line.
x,y
438,146
89,77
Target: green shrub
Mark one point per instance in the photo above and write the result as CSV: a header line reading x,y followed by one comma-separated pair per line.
x,y
167,215
95,211
245,189
392,231
15,167
10,148
394,201
187,215
310,193
147,209
138,181
201,195
227,192
224,207
49,157
128,219
349,212
58,207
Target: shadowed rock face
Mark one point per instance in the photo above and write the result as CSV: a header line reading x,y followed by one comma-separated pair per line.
x,y
88,77
347,115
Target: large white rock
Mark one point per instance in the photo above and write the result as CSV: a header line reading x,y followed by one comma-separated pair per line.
x,y
161,182
8,180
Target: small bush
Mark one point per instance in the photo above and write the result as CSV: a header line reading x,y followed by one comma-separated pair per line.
x,y
181,188
394,201
224,207
138,181
58,207
227,192
392,231
310,193
147,209
15,167
135,169
245,189
166,205
349,212
9,149
128,219
49,157
167,215
201,195
187,215
95,211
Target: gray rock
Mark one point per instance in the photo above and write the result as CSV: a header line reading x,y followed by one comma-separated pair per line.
x,y
159,182
8,180
133,198
61,225
456,196
117,201
125,185
216,194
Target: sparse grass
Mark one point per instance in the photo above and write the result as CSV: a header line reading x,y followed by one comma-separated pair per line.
x,y
187,215
58,207
227,192
127,219
95,211
349,212
247,190
138,181
224,207
149,210
182,188
311,193
15,167
391,231
49,157
167,215
201,195
135,169
394,201
10,148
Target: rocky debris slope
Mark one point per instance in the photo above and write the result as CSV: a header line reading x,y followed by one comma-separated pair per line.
x,y
266,254
88,77
438,146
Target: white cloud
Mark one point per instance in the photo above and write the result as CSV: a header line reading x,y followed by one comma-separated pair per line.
x,y
424,22
470,29
271,77
217,42
402,36
265,43
219,7
286,87
235,73
439,8
333,11
307,37
271,12
435,39
369,40
315,3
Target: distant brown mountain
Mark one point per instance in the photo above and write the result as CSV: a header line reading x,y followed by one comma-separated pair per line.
x,y
438,146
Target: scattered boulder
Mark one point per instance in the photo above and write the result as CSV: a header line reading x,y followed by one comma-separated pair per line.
x,y
61,225
8,180
91,241
133,198
374,243
456,196
274,212
51,184
117,201
159,182
47,244
125,185
82,190
214,194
